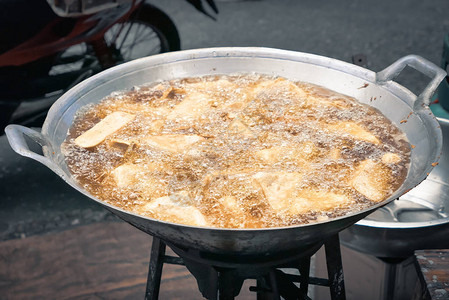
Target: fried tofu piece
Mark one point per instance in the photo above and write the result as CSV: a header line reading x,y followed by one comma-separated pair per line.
x,y
308,150
127,174
284,196
273,154
140,179
312,100
279,188
191,107
130,174
174,212
238,127
371,179
234,108
156,126
308,200
163,90
230,203
335,153
302,152
354,130
119,144
172,142
391,158
278,85
103,129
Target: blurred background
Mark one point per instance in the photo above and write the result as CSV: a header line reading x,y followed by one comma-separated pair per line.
x,y
373,34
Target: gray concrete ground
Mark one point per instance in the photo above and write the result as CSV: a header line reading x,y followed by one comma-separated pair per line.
x,y
35,201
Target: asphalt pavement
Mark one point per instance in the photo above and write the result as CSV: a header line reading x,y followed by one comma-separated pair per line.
x,y
36,201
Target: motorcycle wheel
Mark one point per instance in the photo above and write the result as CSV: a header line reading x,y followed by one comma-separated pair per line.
x,y
148,24
149,31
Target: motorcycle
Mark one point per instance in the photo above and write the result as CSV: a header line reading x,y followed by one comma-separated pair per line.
x,y
72,41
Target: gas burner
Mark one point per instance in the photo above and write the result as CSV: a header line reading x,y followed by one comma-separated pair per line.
x,y
222,276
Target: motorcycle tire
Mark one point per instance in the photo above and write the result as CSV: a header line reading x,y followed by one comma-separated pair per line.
x,y
163,27
148,21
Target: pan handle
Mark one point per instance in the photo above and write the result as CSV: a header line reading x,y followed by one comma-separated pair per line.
x,y
420,64
16,137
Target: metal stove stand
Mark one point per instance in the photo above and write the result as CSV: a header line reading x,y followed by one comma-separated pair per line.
x,y
221,280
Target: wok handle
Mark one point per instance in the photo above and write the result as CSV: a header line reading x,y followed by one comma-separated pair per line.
x,y
16,137
420,64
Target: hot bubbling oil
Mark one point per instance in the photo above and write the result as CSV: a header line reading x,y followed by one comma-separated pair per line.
x,y
240,151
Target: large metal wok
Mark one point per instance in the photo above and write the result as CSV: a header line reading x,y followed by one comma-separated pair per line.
x,y
408,111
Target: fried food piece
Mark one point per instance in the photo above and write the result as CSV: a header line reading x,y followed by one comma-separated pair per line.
x,y
238,127
282,192
126,174
391,158
303,152
233,109
371,179
141,179
162,90
335,153
354,130
274,154
191,107
279,188
103,129
276,86
119,144
322,201
172,211
172,142
230,203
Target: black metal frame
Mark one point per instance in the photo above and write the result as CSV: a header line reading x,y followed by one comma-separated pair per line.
x,y
223,283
